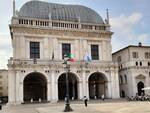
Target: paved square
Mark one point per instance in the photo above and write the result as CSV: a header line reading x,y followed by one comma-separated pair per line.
x,y
98,107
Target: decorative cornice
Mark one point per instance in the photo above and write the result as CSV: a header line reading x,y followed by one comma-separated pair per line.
x,y
59,31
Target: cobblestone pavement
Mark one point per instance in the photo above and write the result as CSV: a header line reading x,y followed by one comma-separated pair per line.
x,y
78,107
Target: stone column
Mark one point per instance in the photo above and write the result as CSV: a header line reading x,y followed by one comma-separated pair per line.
x,y
115,84
11,86
148,81
21,92
84,83
87,89
48,91
54,87
56,90
80,90
117,90
17,86
133,88
109,89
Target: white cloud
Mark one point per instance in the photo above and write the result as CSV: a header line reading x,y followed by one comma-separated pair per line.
x,y
5,50
124,27
143,37
126,21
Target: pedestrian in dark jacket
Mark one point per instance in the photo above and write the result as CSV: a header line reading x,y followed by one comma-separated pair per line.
x,y
85,101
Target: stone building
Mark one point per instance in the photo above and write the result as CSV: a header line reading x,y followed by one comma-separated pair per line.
x,y
3,82
41,34
134,69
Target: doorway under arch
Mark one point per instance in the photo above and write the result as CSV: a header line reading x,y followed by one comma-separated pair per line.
x,y
35,87
140,85
73,86
123,94
97,85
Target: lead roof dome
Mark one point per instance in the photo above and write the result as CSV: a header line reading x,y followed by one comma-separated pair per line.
x,y
73,13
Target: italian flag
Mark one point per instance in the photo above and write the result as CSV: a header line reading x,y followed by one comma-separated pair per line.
x,y
71,57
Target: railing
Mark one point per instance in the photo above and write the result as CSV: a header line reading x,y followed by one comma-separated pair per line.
x,y
79,63
58,24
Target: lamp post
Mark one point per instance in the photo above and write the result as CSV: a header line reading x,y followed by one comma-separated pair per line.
x,y
67,107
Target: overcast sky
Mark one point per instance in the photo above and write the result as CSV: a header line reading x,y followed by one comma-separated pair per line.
x,y
130,20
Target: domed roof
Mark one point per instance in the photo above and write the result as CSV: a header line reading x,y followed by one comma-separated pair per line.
x,y
74,13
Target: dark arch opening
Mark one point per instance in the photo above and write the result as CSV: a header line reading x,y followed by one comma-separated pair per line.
x,y
97,85
140,85
123,94
73,86
35,87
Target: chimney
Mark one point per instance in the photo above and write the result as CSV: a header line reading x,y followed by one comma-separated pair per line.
x,y
140,44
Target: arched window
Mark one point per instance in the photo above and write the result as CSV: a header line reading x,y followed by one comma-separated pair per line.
x,y
136,63
148,63
140,63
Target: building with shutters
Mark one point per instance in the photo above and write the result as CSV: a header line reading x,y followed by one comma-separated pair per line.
x,y
134,69
3,82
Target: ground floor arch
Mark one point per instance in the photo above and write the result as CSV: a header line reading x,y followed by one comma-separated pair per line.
x,y
123,94
73,86
140,85
97,85
35,87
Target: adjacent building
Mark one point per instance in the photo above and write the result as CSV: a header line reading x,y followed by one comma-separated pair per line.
x,y
134,69
42,33
3,83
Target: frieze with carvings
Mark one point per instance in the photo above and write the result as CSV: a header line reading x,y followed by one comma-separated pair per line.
x,y
62,32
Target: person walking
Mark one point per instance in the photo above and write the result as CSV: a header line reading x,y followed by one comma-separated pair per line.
x,y
103,98
85,101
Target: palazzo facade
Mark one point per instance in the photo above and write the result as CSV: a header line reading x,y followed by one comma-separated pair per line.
x,y
41,34
134,70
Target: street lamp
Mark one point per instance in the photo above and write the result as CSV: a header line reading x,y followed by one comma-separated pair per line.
x,y
67,107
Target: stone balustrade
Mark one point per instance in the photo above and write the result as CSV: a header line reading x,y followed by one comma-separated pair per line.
x,y
57,24
79,63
